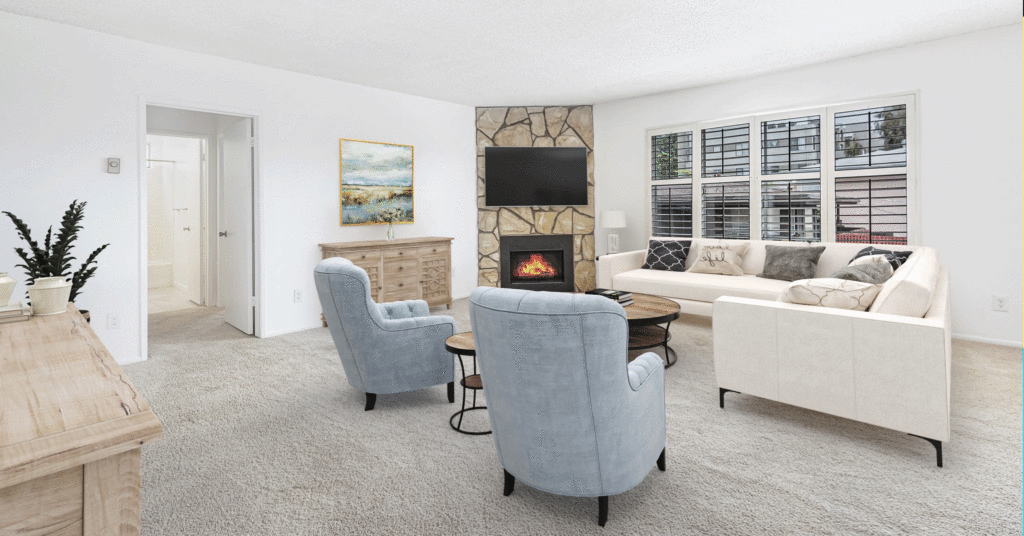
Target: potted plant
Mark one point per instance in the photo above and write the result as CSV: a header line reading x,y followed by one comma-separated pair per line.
x,y
52,260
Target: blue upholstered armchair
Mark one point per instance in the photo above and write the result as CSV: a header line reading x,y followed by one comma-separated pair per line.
x,y
384,348
569,415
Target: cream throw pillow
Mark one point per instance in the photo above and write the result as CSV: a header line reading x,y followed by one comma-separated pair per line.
x,y
830,292
722,259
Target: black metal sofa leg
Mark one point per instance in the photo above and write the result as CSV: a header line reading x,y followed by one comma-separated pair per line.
x,y
602,510
371,399
510,483
938,448
721,396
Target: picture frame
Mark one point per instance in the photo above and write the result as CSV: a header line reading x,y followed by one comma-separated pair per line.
x,y
375,176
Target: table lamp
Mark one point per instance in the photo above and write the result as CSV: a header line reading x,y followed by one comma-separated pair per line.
x,y
613,219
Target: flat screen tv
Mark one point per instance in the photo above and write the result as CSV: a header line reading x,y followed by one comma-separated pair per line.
x,y
531,176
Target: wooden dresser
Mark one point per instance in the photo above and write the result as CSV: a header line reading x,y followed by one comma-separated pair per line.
x,y
71,431
403,269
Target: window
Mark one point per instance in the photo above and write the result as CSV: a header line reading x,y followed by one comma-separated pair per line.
x,y
872,209
790,145
671,156
791,210
672,210
871,138
859,187
725,210
726,151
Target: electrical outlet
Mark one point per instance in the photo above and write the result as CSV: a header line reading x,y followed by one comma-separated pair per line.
x,y
113,321
298,296
1000,303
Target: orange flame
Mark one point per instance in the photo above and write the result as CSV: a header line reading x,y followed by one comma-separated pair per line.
x,y
535,266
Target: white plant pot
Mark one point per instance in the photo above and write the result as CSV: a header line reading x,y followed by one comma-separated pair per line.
x,y
49,295
6,288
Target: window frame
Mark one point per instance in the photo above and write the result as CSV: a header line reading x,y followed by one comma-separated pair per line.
x,y
826,174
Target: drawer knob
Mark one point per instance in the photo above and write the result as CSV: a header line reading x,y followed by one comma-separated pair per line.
x,y
401,284
401,268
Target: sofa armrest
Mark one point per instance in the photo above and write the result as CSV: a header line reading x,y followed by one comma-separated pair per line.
x,y
403,309
881,369
610,265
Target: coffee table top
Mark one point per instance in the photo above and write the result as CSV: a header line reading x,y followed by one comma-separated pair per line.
x,y
648,310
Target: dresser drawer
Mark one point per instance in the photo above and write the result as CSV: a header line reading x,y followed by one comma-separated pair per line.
x,y
361,257
405,253
401,267
402,283
441,249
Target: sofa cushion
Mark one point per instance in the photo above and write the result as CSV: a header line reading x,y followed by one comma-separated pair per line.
x,y
724,259
698,286
757,253
835,293
875,273
790,263
838,254
667,255
871,254
910,290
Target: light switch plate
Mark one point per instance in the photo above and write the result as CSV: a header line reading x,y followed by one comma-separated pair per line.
x,y
113,165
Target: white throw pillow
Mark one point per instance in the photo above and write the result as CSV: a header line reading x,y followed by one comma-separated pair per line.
x,y
725,259
836,293
872,258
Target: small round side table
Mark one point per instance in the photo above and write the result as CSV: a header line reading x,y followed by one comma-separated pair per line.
x,y
461,344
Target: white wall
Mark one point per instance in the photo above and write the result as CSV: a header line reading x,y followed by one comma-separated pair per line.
x,y
970,171
70,98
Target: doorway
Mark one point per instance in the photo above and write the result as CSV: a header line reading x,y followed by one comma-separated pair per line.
x,y
175,171
200,176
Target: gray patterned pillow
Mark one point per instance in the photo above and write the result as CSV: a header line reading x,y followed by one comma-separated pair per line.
x,y
872,272
790,263
666,255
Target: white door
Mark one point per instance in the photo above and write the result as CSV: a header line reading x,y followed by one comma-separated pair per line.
x,y
235,232
187,170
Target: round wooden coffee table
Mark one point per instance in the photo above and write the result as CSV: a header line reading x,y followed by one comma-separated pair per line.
x,y
644,316
461,344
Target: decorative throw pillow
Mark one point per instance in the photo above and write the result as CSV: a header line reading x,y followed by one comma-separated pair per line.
x,y
666,255
790,263
722,259
836,293
869,272
871,253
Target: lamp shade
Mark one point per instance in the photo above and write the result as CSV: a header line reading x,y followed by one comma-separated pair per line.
x,y
613,219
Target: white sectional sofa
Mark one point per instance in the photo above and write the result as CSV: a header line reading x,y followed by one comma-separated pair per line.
x,y
888,366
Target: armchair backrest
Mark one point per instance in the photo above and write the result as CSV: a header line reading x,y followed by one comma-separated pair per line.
x,y
554,370
350,312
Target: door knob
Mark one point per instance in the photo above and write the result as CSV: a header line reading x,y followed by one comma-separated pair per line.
x,y
186,229
222,233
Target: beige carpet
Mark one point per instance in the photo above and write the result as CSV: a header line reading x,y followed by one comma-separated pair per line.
x,y
266,437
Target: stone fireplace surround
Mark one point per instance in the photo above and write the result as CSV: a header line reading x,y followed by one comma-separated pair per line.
x,y
535,126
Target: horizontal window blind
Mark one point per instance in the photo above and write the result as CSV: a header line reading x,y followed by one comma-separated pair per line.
x,y
672,210
791,210
672,156
871,138
872,210
726,151
725,210
791,145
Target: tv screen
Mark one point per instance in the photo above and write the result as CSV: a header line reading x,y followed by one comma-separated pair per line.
x,y
530,176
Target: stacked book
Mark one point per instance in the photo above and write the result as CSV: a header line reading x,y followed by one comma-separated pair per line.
x,y
15,312
622,297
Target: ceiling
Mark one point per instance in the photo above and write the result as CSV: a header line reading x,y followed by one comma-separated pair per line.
x,y
528,52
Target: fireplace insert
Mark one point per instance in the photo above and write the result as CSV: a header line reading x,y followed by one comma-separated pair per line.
x,y
537,262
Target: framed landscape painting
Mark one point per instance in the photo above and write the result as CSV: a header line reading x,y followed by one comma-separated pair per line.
x,y
376,182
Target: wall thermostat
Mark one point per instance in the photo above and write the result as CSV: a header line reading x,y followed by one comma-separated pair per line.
x,y
113,165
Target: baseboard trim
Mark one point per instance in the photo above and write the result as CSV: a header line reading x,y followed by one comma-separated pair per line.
x,y
987,340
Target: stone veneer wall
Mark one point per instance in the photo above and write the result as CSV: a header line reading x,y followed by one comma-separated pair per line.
x,y
535,126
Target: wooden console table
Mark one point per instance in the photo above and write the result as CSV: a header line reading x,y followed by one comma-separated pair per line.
x,y
403,269
71,431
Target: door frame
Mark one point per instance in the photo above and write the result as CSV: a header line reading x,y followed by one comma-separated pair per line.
x,y
205,262
259,289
